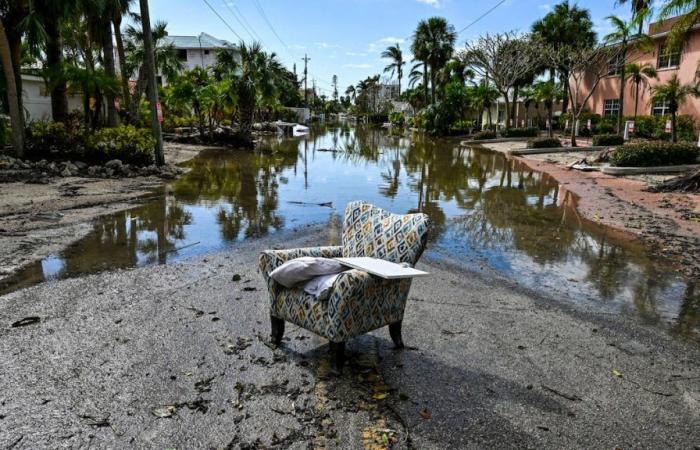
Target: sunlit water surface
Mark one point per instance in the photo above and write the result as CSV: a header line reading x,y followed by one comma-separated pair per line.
x,y
488,214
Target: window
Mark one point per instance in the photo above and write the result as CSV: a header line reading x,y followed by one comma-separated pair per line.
x,y
615,65
668,59
182,55
611,107
661,108
206,52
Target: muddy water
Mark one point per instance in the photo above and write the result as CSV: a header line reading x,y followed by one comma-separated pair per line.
x,y
488,213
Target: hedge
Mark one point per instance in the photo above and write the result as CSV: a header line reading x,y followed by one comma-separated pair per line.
x,y
544,142
55,141
608,139
483,135
521,132
649,154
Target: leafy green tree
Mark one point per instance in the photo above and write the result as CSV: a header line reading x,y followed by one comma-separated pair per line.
x,y
566,25
548,92
394,54
484,96
640,9
675,94
16,119
638,75
688,15
433,45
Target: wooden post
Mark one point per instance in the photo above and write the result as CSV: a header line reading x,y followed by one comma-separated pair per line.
x,y
150,66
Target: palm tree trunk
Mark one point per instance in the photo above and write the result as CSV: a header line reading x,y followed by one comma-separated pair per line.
x,y
636,98
674,138
12,96
126,97
108,55
425,81
54,60
565,97
621,99
549,120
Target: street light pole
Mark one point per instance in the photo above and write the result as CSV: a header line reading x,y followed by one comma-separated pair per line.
x,y
150,66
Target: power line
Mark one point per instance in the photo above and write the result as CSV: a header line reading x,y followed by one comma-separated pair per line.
x,y
482,16
223,20
269,24
235,16
246,21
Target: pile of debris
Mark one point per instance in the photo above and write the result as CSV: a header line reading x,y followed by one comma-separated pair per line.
x,y
14,169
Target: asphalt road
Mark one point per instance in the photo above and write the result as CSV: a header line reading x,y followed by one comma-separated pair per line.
x,y
176,357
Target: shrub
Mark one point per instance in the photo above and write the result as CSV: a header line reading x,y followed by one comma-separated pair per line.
x,y
483,135
397,119
127,143
521,132
650,154
608,139
544,142
53,140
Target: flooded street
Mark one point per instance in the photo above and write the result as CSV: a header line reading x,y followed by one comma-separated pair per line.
x,y
489,214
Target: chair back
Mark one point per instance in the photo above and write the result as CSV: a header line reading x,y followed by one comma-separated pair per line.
x,y
376,233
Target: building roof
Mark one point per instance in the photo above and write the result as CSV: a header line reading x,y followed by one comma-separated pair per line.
x,y
204,40
663,27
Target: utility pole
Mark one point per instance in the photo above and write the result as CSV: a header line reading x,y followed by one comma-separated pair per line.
x,y
152,88
306,60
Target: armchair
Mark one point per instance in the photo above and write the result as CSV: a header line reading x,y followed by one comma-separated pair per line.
x,y
359,302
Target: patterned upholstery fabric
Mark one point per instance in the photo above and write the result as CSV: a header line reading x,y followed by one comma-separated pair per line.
x,y
359,302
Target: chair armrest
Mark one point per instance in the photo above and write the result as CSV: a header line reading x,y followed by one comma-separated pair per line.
x,y
272,259
364,302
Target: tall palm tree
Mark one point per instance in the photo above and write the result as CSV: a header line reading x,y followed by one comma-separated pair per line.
x,y
527,94
17,121
484,96
625,37
350,92
548,92
640,8
117,9
639,74
675,94
415,75
395,67
433,45
566,25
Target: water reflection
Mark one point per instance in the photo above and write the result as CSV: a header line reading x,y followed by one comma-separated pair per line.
x,y
486,211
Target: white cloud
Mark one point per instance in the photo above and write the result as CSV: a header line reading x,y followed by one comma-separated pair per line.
x,y
392,40
547,7
326,45
358,66
433,3
356,53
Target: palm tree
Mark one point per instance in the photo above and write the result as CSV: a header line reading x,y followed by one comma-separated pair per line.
x,y
565,26
433,45
395,55
253,75
625,37
675,94
350,92
484,96
640,8
527,94
415,75
166,60
688,14
548,92
639,74
17,122
117,10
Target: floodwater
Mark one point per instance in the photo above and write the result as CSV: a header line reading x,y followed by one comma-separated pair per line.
x,y
488,214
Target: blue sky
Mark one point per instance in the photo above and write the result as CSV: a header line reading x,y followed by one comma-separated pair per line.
x,y
346,37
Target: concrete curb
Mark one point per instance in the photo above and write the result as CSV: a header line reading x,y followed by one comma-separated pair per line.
x,y
609,170
540,151
493,141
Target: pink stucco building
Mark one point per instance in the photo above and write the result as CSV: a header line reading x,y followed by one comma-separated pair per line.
x,y
604,100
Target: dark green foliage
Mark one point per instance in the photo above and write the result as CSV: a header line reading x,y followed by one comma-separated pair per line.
x,y
650,154
4,130
521,132
544,142
483,135
608,139
654,127
55,141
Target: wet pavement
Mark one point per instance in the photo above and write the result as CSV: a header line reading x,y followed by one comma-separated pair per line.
x,y
175,356
490,214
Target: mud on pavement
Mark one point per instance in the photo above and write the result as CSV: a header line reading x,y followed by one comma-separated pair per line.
x,y
177,357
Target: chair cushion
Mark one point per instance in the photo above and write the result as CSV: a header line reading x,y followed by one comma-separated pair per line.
x,y
373,232
299,270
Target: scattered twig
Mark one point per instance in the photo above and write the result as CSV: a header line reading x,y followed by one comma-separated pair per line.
x,y
180,248
31,320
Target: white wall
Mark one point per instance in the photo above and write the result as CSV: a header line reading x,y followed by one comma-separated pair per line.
x,y
37,101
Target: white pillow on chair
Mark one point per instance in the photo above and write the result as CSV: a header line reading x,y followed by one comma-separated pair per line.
x,y
298,270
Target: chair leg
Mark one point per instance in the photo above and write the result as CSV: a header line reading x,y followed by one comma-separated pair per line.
x,y
395,332
277,327
337,357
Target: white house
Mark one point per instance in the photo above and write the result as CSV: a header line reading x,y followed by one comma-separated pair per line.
x,y
195,51
37,100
